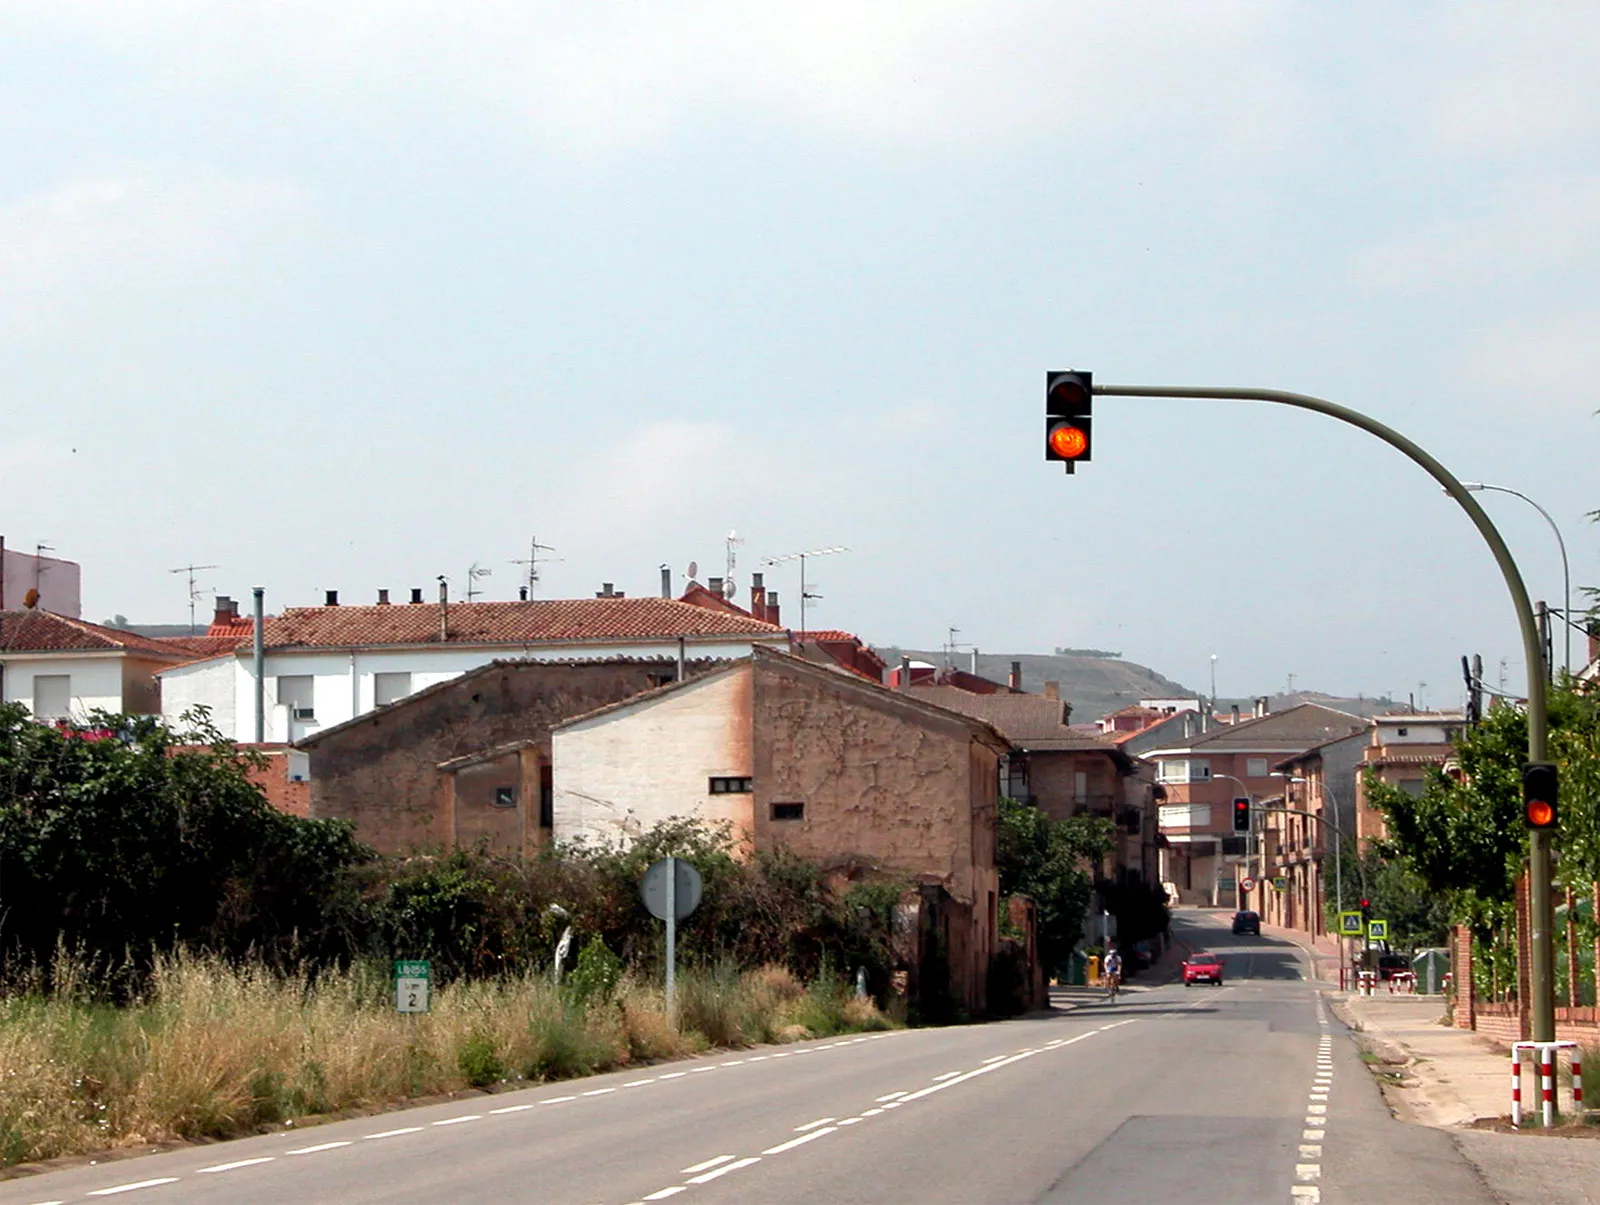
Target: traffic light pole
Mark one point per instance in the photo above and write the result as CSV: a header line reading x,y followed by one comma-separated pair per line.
x,y
1540,894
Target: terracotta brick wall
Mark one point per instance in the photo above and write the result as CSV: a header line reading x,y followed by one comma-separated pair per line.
x,y
1464,1009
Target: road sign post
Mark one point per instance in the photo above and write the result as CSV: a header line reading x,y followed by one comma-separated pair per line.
x,y
413,981
670,890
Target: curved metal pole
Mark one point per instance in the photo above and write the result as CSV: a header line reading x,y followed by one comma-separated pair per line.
x,y
1541,897
1566,572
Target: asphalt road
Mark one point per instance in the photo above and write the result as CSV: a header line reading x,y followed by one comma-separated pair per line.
x,y
1249,1092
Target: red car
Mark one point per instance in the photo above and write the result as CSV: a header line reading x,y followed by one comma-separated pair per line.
x,y
1203,968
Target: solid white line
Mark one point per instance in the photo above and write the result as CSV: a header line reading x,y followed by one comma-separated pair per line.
x,y
811,1125
108,1192
557,1100
666,1192
890,1096
392,1133
639,1083
700,1167
455,1121
723,1171
228,1167
988,1067
998,1057
312,1150
800,1141
946,1075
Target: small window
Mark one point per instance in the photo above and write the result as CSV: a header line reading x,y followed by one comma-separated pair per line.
x,y
731,785
390,688
52,696
298,693
1199,771
1402,732
1255,767
547,797
505,797
788,811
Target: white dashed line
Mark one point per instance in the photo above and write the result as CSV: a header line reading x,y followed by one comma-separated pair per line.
x,y
709,1163
1310,1150
871,1112
115,1189
513,1109
890,1096
723,1171
598,1092
677,1074
850,1121
455,1121
557,1100
666,1192
811,1125
1313,1135
393,1133
639,1083
800,1141
228,1167
736,1062
758,1058
713,1067
312,1150
1305,1192
946,1075
1307,1171
1316,1108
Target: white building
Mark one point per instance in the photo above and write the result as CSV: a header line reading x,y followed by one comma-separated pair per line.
x,y
326,665
64,668
54,584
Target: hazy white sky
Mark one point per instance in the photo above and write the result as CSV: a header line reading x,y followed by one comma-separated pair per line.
x,y
351,295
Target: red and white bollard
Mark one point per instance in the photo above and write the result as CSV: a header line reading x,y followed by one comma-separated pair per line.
x,y
1577,1083
1547,1086
1516,1087
1546,1054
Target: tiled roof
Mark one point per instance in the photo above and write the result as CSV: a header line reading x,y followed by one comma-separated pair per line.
x,y
209,645
239,625
1305,724
47,632
830,635
507,623
1028,721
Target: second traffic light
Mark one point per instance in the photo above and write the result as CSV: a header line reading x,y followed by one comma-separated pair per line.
x,y
1241,815
1539,795
1068,421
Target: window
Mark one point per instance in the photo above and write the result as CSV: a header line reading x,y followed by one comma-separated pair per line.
x,y
1402,732
1080,785
505,797
788,811
52,696
1255,767
390,688
297,692
1173,771
731,785
547,797
1199,770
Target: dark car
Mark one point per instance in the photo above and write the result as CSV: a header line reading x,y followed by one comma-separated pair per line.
x,y
1247,922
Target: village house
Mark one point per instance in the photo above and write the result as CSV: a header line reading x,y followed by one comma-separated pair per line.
x,y
1298,850
1402,751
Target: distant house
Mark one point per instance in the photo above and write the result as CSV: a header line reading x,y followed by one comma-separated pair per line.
x,y
1202,767
868,781
1403,749
1299,850
327,665
65,668
35,582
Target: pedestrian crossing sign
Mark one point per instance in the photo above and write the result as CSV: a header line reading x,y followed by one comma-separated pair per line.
x,y
1378,930
1350,924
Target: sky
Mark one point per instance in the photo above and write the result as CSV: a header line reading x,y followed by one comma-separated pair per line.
x,y
349,296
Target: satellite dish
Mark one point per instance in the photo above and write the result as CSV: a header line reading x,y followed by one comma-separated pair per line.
x,y
694,569
728,588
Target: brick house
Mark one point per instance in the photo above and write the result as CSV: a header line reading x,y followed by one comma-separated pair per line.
x,y
466,759
1299,851
867,781
1402,750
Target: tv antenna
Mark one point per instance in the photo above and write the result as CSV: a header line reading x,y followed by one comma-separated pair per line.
x,y
731,541
805,596
475,572
194,591
533,560
952,646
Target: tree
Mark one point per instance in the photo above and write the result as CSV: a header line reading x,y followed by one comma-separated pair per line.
x,y
1049,861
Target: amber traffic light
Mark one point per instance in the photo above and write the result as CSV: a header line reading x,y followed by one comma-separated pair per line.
x,y
1539,795
1068,410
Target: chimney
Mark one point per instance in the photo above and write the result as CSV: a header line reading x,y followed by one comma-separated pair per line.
x,y
1052,690
609,590
522,594
974,661
772,609
714,584
666,581
758,595
444,609
1015,680
333,598
1236,713
383,598
227,610
905,673
1263,705
416,594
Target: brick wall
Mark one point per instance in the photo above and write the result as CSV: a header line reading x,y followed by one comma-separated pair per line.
x,y
1463,1010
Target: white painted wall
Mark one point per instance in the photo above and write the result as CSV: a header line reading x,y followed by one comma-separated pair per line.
x,y
618,774
58,582
343,687
96,680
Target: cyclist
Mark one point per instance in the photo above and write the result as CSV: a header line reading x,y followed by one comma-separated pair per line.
x,y
1111,972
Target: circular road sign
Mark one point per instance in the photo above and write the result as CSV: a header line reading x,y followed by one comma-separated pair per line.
x,y
1247,884
653,888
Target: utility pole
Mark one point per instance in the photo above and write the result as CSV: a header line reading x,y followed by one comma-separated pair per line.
x,y
1541,896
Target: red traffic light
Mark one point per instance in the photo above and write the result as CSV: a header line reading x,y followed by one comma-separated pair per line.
x,y
1366,903
1068,441
1539,795
1540,814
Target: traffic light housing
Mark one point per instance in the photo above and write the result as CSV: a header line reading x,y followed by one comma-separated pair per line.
x,y
1068,417
1241,815
1539,790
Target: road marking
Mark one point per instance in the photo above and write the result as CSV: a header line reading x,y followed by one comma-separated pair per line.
x,y
890,1096
700,1167
312,1150
893,1104
1310,1150
998,1057
109,1192
713,1067
782,1054
594,1092
850,1121
1307,1171
811,1125
639,1083
557,1100
758,1058
1314,1135
736,1062
678,1074
871,1112
723,1171
455,1121
1305,1192
1316,1108
228,1167
512,1109
393,1133
946,1075
800,1141
994,1065
666,1192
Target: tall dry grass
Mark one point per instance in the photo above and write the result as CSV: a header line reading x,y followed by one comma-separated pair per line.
x,y
217,1050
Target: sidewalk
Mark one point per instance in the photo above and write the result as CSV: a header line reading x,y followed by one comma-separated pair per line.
x,y
1438,1075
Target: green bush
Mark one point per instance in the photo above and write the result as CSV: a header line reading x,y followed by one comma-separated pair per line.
x,y
480,1062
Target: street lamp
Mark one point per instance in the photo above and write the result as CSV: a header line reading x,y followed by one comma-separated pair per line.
x,y
1566,573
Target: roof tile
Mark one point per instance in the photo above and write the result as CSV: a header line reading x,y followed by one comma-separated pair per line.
x,y
47,632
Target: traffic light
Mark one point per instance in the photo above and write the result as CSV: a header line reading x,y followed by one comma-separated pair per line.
x,y
1241,815
1366,914
1068,425
1539,795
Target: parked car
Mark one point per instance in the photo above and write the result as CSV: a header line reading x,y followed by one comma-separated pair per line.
x,y
1247,922
1202,968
